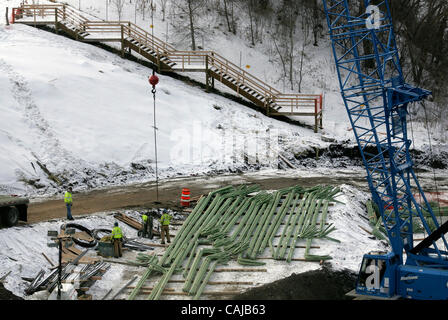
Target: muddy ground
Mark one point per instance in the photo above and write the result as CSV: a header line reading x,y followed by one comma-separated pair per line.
x,y
144,195
6,295
323,284
169,192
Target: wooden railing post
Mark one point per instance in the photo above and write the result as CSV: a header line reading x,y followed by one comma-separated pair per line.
x,y
321,110
56,20
213,63
267,103
207,75
129,36
122,41
158,61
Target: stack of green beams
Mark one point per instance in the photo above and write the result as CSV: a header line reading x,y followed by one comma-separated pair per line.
x,y
239,223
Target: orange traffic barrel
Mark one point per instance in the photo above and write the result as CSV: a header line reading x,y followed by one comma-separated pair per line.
x,y
185,198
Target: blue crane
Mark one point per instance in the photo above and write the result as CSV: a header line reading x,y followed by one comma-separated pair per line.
x,y
376,98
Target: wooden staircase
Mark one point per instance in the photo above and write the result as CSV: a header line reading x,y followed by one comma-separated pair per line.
x,y
168,59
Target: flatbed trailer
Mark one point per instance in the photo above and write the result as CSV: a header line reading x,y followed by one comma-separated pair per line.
x,y
12,210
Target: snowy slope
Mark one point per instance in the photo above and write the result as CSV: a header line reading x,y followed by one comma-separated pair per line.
x,y
87,115
319,72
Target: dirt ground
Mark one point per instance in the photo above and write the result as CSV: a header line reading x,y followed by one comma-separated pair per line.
x,y
323,284
169,192
6,295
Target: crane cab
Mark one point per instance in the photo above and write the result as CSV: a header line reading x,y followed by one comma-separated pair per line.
x,y
377,275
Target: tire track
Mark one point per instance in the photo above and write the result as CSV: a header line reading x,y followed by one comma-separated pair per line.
x,y
50,147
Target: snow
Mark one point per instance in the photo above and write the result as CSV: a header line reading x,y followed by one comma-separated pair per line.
x,y
23,249
75,126
87,114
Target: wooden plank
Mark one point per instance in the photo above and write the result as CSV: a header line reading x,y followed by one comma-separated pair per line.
x,y
74,250
301,247
365,229
148,288
181,293
83,236
241,270
129,221
286,161
293,259
48,259
212,283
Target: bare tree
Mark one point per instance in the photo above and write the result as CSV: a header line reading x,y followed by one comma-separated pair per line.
x,y
118,4
192,9
257,10
163,4
228,13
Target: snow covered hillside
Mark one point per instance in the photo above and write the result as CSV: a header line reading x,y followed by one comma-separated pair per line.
x,y
74,114
87,116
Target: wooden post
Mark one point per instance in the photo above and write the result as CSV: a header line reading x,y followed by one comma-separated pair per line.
x,y
207,75
267,105
129,35
159,67
213,63
56,20
315,116
122,41
321,110
7,20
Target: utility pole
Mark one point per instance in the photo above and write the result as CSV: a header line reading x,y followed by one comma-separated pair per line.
x,y
66,238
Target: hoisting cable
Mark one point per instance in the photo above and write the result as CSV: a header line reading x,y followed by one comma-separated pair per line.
x,y
154,80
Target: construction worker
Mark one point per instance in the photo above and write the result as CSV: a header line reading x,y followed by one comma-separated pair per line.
x,y
145,225
68,199
117,239
165,226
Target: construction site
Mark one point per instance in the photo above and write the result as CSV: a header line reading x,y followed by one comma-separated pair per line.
x,y
135,169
